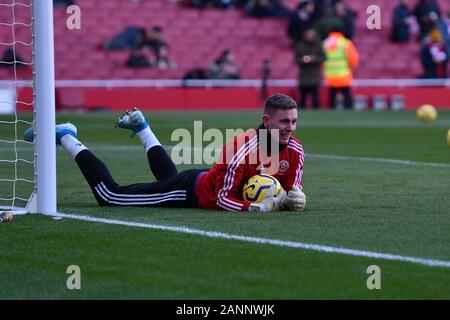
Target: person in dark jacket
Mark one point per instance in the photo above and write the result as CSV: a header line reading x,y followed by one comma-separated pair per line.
x,y
309,55
439,23
259,9
327,22
301,20
422,12
138,59
401,21
347,17
434,56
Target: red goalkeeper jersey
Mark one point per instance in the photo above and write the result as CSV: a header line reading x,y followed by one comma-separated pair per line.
x,y
221,187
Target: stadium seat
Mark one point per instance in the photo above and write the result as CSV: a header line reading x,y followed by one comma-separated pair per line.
x,y
197,36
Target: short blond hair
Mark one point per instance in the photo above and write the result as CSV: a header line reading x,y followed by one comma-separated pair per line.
x,y
279,101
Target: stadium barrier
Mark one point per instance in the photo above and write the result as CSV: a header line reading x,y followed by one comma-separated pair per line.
x,y
228,94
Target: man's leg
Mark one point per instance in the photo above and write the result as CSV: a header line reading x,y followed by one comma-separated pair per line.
x,y
315,96
307,96
347,97
303,96
92,168
332,93
175,191
159,161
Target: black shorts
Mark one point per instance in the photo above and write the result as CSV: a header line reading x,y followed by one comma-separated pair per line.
x,y
177,191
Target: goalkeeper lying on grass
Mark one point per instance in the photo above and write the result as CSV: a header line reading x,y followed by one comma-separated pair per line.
x,y
217,188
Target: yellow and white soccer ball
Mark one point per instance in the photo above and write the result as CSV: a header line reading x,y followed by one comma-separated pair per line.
x,y
427,113
448,137
255,189
6,216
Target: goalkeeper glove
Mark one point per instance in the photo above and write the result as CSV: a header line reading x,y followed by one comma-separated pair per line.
x,y
270,202
295,199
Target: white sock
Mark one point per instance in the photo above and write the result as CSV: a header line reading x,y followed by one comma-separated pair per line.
x,y
72,145
148,138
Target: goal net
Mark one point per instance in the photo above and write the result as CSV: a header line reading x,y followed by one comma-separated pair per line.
x,y
27,169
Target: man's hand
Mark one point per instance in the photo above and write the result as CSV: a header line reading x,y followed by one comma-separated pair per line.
x,y
295,199
270,202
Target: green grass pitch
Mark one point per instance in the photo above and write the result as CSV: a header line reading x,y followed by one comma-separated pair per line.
x,y
353,201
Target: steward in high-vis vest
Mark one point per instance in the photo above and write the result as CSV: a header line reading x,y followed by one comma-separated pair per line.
x,y
342,58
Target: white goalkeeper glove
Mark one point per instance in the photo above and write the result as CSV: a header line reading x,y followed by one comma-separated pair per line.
x,y
295,199
270,202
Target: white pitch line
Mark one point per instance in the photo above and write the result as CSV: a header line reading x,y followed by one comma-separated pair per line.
x,y
381,160
312,155
275,242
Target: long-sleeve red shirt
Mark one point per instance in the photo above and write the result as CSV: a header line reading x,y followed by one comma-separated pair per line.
x,y
221,187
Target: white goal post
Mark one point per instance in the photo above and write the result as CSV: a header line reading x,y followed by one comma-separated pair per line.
x,y
44,108
39,23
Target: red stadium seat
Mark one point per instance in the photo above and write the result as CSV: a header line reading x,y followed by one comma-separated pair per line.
x,y
196,37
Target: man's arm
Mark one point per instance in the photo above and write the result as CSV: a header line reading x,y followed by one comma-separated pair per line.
x,y
352,55
295,172
227,188
228,194
295,199
321,56
230,172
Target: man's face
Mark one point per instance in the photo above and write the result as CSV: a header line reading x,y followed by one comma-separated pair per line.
x,y
283,120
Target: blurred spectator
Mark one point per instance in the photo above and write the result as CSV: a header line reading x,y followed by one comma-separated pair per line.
x,y
146,50
156,43
241,3
155,40
320,7
434,56
11,59
196,74
327,22
163,61
447,21
402,20
130,38
301,20
199,3
224,67
225,3
281,9
138,59
341,58
422,12
440,24
309,55
252,8
259,9
266,71
347,17
63,3
211,3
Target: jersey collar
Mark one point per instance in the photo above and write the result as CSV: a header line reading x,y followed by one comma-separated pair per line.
x,y
282,146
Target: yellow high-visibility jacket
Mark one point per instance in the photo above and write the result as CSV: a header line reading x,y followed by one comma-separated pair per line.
x,y
342,57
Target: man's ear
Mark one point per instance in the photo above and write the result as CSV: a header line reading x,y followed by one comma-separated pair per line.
x,y
265,119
